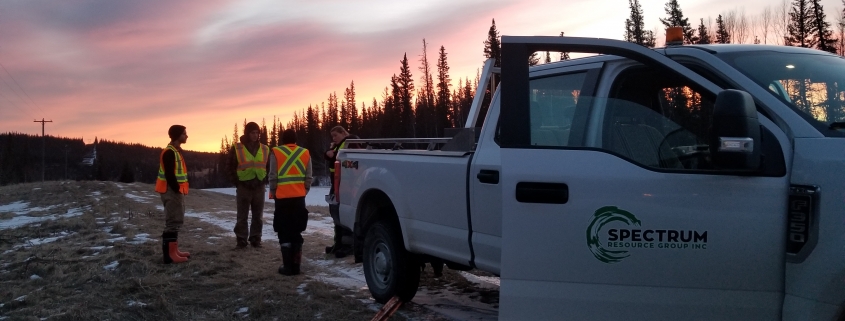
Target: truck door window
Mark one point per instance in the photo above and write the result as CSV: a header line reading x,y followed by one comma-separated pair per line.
x,y
553,104
657,120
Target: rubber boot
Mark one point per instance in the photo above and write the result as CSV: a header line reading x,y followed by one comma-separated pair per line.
x,y
287,260
297,257
168,249
180,253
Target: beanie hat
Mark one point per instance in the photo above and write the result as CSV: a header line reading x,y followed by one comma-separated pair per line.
x,y
250,126
175,131
289,136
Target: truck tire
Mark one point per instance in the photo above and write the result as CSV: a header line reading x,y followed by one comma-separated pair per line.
x,y
389,269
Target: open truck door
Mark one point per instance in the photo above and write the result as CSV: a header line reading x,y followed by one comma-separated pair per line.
x,y
651,201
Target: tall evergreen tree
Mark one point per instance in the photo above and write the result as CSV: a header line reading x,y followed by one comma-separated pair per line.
x,y
493,46
801,29
349,96
635,26
675,18
703,33
263,138
405,80
274,133
442,101
548,58
823,34
722,35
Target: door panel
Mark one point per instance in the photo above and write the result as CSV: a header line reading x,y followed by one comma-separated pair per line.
x,y
650,229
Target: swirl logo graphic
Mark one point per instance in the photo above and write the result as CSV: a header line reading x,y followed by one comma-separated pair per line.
x,y
601,217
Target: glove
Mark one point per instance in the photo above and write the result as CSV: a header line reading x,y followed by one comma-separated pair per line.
x,y
273,194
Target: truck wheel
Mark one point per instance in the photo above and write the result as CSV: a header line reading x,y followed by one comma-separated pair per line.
x,y
389,269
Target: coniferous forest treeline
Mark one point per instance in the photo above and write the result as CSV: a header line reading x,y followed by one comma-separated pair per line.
x,y
409,106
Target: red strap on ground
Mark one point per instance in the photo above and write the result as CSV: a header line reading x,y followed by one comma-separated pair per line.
x,y
388,309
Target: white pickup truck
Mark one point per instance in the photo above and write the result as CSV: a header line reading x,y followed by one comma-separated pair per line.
x,y
700,182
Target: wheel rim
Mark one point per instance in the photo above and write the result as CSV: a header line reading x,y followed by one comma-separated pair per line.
x,y
382,265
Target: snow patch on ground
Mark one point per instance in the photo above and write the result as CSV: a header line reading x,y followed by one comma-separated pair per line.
x,y
21,220
111,266
139,199
14,206
316,196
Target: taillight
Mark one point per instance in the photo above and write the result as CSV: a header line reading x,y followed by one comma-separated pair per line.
x,y
337,181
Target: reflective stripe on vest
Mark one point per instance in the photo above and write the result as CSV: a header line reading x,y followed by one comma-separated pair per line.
x,y
336,149
291,162
250,166
181,172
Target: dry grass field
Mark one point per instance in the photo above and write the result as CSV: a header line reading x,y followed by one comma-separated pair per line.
x,y
92,251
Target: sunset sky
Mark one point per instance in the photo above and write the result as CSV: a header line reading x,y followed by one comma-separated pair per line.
x,y
127,70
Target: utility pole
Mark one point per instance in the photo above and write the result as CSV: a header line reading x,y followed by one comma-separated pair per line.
x,y
43,145
66,161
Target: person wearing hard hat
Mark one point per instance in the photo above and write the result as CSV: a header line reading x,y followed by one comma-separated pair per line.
x,y
248,171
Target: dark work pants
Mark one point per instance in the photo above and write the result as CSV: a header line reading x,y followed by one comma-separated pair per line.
x,y
290,219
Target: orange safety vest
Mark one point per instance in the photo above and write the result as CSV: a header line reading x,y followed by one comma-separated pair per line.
x,y
251,166
181,172
291,162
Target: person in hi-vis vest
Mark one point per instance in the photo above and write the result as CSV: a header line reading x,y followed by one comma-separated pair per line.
x,y
248,171
342,245
172,184
290,180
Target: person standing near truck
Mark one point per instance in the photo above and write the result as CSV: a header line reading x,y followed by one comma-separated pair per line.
x,y
290,180
342,238
248,171
172,184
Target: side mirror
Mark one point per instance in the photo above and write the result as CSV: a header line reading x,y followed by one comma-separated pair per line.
x,y
735,133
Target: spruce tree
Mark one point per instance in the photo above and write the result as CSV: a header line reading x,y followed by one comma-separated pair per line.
x,y
722,35
635,25
801,29
703,33
675,18
263,138
823,35
406,95
492,46
442,102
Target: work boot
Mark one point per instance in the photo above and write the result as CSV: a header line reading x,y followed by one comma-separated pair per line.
x,y
169,249
287,267
180,253
255,241
342,251
241,244
297,257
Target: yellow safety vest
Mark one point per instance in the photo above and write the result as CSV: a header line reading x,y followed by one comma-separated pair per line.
x,y
250,166
336,149
181,172
291,162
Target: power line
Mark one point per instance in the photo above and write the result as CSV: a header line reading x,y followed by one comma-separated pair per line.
x,y
19,86
16,106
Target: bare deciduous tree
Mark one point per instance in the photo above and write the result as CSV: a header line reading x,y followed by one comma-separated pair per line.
x,y
840,30
780,22
730,25
765,23
743,27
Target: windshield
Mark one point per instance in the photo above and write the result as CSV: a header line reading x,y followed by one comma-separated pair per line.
x,y
813,84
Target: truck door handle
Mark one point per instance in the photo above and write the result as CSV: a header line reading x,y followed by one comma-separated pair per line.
x,y
534,192
488,176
